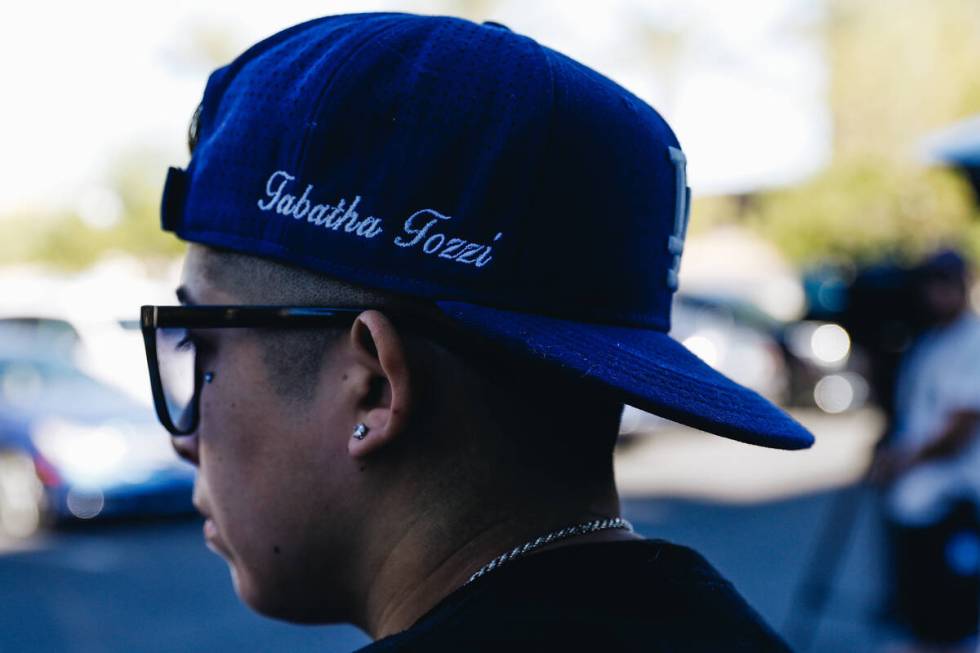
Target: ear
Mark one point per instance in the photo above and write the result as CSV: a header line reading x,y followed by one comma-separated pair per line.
x,y
385,395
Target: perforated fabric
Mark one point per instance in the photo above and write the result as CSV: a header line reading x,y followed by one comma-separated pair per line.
x,y
651,371
537,201
484,126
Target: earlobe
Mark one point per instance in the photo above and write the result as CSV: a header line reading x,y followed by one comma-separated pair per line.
x,y
384,400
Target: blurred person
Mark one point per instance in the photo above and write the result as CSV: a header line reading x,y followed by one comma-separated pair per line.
x,y
930,465
430,261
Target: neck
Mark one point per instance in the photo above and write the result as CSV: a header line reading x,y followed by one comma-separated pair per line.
x,y
432,558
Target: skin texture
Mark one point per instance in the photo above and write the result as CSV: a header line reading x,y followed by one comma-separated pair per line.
x,y
319,527
257,457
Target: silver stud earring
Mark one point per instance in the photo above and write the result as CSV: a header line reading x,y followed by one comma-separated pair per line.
x,y
208,377
360,431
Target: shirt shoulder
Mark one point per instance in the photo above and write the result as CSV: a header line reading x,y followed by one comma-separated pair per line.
x,y
646,595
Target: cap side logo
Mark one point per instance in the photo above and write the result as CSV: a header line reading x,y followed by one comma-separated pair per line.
x,y
682,212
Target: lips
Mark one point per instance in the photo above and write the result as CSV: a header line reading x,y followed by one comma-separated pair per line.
x,y
198,501
212,538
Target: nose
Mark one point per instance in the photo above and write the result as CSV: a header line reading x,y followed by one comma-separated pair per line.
x,y
186,447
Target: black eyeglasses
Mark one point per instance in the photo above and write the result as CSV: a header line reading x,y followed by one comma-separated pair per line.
x,y
176,375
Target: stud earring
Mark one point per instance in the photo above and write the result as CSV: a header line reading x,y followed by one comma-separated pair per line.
x,y
208,377
360,431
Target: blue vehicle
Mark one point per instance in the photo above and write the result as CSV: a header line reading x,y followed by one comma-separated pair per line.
x,y
72,447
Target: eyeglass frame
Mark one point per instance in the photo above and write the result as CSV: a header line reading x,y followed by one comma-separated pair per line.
x,y
234,316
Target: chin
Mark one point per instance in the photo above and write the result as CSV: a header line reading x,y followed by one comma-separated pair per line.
x,y
296,607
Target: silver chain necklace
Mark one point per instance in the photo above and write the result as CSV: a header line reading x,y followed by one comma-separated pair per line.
x,y
548,538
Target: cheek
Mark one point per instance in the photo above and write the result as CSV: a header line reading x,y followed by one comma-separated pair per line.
x,y
237,472
265,483
276,476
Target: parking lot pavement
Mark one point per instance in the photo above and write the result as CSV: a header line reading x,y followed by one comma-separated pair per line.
x,y
682,462
767,550
758,515
147,586
153,586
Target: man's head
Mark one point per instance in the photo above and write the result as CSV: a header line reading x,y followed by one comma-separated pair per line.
x,y
528,209
294,497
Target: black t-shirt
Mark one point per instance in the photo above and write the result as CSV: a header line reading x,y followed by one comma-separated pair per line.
x,y
643,595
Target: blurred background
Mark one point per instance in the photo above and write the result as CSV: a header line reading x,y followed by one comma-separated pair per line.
x,y
831,144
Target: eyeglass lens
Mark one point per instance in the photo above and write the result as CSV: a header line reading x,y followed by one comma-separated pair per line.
x,y
176,355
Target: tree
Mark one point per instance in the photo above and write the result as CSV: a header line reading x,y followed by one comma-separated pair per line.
x,y
899,69
68,241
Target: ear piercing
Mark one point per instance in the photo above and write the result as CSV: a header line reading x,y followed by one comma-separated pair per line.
x,y
360,431
208,377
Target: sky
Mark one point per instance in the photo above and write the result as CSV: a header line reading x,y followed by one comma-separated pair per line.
x,y
743,84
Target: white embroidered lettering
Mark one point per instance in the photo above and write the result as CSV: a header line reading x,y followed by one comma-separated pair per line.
x,y
409,227
282,178
469,254
485,256
369,228
302,204
285,205
433,243
418,228
350,217
332,222
452,248
316,214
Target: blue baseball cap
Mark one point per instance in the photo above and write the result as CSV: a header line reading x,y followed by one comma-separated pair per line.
x,y
534,201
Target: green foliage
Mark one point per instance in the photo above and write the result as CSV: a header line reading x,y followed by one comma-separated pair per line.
x,y
860,210
66,241
899,69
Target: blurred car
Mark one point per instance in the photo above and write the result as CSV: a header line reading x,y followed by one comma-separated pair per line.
x,y
50,336
72,447
727,340
795,364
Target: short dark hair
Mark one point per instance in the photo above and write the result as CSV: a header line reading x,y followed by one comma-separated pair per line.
x,y
576,423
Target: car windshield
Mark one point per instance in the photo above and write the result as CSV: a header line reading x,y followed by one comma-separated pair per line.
x,y
37,337
50,386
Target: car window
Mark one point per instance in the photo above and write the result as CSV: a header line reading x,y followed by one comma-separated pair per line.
x,y
37,337
38,385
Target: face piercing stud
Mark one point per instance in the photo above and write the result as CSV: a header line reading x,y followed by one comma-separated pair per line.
x,y
360,431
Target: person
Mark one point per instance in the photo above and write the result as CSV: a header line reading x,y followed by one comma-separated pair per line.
x,y
429,261
929,465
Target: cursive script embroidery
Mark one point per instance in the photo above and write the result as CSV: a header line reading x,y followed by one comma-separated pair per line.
x,y
417,231
438,244
342,215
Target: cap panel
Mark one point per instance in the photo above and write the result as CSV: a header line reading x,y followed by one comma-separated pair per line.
x,y
442,145
254,117
607,200
438,145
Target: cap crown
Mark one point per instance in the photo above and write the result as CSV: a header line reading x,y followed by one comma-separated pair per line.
x,y
444,159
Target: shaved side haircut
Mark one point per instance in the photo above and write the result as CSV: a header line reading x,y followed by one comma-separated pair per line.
x,y
511,391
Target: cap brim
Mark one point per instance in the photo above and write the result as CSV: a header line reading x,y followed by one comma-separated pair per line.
x,y
648,369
